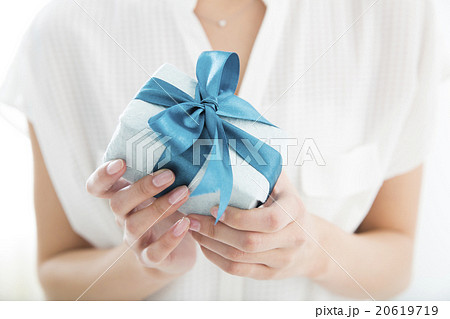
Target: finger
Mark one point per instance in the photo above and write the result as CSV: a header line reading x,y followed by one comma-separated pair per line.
x,y
267,219
121,183
138,223
247,241
157,252
126,199
270,258
105,177
255,271
144,204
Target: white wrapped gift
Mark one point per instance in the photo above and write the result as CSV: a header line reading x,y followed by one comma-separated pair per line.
x,y
141,148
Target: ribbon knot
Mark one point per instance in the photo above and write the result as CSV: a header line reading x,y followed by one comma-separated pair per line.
x,y
212,102
185,122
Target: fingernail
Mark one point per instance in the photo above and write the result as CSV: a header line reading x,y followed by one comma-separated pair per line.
x,y
194,225
114,167
181,226
178,195
162,178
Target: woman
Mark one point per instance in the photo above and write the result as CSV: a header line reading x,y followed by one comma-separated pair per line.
x,y
356,77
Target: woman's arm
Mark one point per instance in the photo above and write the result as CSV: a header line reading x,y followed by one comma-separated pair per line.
x,y
66,275
68,264
379,255
281,240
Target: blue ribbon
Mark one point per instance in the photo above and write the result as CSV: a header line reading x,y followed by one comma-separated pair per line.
x,y
185,120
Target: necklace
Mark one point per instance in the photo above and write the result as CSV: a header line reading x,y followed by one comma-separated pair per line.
x,y
224,21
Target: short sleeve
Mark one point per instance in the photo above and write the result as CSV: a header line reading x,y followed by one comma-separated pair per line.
x,y
24,87
17,90
38,65
417,129
53,80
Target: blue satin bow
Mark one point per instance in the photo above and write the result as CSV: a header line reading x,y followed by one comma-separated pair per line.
x,y
185,120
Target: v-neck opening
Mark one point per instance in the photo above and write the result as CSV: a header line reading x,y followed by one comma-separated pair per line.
x,y
262,52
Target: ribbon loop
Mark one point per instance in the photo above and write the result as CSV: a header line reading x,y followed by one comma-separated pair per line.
x,y
217,73
218,76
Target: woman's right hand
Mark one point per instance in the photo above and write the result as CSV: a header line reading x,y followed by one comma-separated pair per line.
x,y
153,227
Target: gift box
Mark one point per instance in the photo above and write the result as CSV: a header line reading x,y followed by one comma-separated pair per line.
x,y
214,142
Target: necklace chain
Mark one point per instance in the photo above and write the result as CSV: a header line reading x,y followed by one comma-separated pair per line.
x,y
224,21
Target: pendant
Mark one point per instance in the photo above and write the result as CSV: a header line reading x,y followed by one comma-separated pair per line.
x,y
222,23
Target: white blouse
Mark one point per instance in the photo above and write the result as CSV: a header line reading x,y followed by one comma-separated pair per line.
x,y
363,92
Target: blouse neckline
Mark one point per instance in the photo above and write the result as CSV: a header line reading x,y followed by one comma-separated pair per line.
x,y
262,54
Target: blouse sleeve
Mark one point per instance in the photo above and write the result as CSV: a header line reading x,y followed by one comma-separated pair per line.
x,y
25,87
52,82
417,129
16,90
38,66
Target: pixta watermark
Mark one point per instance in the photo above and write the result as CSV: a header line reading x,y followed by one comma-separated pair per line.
x,y
146,149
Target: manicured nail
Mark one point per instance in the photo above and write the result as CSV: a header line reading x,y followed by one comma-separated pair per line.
x,y
178,195
162,178
114,167
195,225
181,226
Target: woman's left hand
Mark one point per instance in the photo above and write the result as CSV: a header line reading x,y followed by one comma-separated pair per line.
x,y
269,242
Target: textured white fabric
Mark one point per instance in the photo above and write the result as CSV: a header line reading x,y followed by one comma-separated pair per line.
x,y
367,103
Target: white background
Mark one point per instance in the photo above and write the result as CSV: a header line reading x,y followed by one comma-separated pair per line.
x,y
18,279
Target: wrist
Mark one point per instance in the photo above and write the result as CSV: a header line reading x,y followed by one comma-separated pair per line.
x,y
331,240
318,234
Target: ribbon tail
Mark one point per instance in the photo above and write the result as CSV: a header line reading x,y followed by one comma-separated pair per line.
x,y
223,163
218,175
227,186
261,156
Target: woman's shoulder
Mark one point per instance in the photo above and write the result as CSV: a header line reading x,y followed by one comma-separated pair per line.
x,y
64,19
361,8
392,30
57,20
378,15
397,16
57,14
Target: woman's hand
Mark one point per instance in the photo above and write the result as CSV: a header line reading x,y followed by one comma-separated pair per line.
x,y
262,243
152,227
